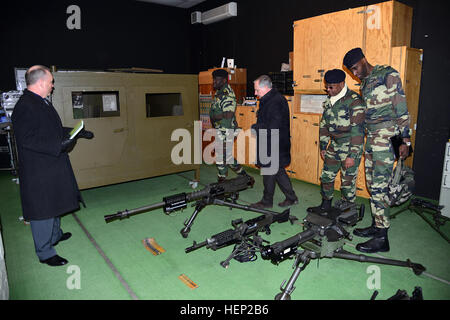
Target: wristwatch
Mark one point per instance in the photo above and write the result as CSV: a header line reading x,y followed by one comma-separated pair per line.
x,y
408,143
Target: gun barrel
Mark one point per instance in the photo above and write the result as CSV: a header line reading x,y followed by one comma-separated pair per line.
x,y
195,246
127,213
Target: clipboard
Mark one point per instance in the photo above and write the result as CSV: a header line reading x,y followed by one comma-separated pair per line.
x,y
76,129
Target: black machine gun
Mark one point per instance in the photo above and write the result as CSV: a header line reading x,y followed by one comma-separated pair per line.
x,y
244,235
221,193
323,236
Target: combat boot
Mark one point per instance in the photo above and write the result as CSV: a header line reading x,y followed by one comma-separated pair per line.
x,y
368,232
324,207
379,243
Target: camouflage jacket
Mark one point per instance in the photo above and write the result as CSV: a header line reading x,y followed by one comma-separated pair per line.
x,y
344,122
385,99
223,108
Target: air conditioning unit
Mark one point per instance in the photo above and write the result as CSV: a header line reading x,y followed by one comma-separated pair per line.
x,y
220,13
196,17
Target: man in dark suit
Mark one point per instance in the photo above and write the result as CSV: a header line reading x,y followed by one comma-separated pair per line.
x,y
48,188
274,155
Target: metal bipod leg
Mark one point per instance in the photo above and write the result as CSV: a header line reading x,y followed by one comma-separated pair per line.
x,y
188,223
302,257
342,254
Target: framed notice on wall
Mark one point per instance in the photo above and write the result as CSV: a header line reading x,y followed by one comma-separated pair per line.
x,y
312,103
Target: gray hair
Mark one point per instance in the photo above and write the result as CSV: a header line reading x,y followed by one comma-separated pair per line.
x,y
35,73
264,81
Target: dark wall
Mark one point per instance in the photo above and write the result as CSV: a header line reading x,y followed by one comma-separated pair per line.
x,y
113,34
130,33
261,36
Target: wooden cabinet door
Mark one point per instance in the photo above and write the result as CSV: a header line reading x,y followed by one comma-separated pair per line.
x,y
307,53
245,144
340,32
304,146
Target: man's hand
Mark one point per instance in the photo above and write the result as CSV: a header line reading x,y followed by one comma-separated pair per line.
x,y
85,134
322,154
67,145
404,149
349,162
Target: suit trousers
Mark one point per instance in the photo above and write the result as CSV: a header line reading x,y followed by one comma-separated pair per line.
x,y
284,183
46,233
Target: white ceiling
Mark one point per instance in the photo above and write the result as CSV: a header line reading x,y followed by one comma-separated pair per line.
x,y
176,3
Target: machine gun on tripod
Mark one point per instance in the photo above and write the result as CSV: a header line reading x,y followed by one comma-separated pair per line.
x,y
221,193
323,237
244,235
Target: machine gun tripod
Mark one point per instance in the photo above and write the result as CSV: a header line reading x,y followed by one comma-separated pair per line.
x,y
323,237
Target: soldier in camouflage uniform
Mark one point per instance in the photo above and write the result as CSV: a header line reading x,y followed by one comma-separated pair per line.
x,y
386,115
341,139
223,119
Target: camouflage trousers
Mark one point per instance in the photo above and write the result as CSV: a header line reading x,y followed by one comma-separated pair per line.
x,y
224,153
379,164
333,163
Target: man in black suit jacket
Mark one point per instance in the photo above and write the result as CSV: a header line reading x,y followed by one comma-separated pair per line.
x,y
272,126
48,188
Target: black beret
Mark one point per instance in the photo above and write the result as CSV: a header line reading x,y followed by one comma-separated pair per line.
x,y
220,73
352,57
334,76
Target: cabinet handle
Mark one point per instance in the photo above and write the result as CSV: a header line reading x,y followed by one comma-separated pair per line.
x,y
241,114
321,70
317,80
252,111
315,124
306,76
294,117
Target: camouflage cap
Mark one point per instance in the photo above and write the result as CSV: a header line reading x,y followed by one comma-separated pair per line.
x,y
352,57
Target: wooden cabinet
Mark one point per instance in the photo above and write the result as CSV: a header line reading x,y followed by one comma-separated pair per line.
x,y
245,143
307,54
304,147
408,62
321,42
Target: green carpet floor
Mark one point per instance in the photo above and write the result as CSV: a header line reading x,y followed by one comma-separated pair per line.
x,y
156,277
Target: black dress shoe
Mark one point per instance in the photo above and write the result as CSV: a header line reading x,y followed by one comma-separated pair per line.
x,y
287,203
55,261
64,237
261,205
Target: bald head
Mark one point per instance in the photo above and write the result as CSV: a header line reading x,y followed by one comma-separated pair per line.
x,y
39,80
